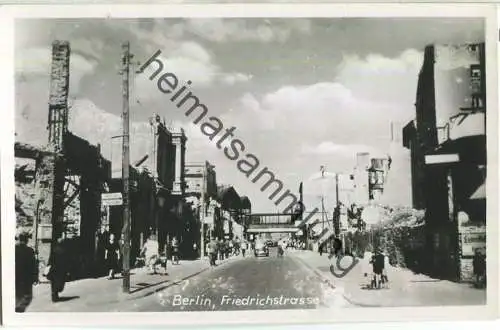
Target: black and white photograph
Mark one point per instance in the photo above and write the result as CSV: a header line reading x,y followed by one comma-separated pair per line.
x,y
249,164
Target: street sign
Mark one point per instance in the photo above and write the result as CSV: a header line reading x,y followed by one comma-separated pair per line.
x,y
371,215
473,240
117,195
112,199
442,159
112,202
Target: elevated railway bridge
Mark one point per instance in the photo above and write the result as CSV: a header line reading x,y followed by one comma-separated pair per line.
x,y
258,223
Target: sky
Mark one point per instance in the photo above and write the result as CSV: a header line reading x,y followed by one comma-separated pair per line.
x,y
302,93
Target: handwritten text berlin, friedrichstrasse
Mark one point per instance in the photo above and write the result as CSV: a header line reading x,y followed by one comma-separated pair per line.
x,y
257,300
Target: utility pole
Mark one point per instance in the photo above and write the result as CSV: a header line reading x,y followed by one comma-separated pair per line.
x,y
125,166
337,202
323,212
338,213
337,188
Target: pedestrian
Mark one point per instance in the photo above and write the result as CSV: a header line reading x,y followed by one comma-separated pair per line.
x,y
378,263
112,256
102,241
237,246
385,278
337,248
220,249
121,252
195,250
57,272
321,248
175,251
212,252
244,248
26,272
479,268
227,248
281,250
150,252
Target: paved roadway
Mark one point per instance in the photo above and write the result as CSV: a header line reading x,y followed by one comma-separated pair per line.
x,y
248,283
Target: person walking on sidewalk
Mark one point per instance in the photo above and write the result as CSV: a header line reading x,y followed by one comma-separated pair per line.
x,y
26,273
378,264
222,249
212,252
337,247
479,268
57,273
321,249
150,252
112,256
237,246
227,248
102,241
175,251
195,250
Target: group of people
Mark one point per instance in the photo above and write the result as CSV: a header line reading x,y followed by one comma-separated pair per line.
x,y
222,249
110,253
377,261
153,257
296,244
336,249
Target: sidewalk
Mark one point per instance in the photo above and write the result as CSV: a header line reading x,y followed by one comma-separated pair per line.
x,y
404,288
96,294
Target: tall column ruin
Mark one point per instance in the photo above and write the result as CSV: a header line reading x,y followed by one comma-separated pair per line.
x,y
51,167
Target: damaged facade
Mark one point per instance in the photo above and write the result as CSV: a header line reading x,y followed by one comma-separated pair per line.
x,y
449,157
59,186
60,189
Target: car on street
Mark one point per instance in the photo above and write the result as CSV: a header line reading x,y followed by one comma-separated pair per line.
x,y
261,249
269,243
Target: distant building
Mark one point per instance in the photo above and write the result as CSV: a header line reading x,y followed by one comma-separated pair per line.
x,y
369,176
200,178
361,179
201,181
157,186
377,174
397,185
180,221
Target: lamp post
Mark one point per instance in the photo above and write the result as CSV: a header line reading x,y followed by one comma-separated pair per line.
x,y
126,56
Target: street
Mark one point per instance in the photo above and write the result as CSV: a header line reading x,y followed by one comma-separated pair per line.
x,y
248,283
299,280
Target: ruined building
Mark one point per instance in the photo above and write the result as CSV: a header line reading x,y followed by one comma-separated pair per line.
x,y
448,155
53,185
